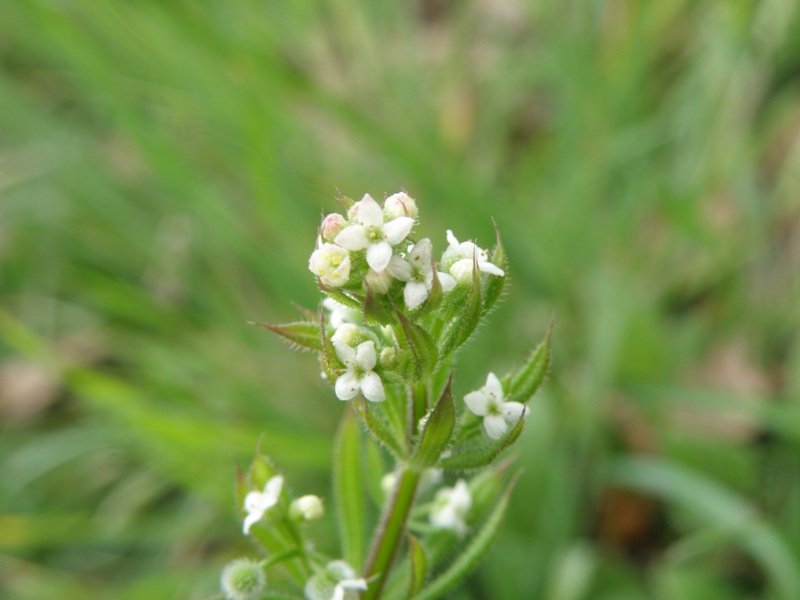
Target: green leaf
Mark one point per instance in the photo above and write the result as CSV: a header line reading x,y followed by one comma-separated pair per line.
x,y
719,508
381,427
419,566
475,551
523,383
467,318
347,299
331,365
349,490
301,335
478,454
496,285
376,307
438,429
420,343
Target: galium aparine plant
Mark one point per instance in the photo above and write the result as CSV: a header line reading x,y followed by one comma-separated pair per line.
x,y
386,333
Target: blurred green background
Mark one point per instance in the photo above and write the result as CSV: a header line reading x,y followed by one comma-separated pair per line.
x,y
163,169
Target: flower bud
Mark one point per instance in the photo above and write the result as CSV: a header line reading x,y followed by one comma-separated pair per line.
x,y
307,508
243,579
388,482
388,357
348,334
378,282
332,224
399,205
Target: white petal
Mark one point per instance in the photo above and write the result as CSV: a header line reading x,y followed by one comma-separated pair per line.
x,y
493,387
399,268
512,412
353,237
491,268
477,402
462,271
420,255
451,239
369,212
354,584
396,230
345,353
379,255
372,387
253,502
251,520
448,281
346,386
338,593
415,294
272,491
365,355
495,426
460,497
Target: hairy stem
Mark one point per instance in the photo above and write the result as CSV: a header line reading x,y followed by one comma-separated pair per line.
x,y
390,532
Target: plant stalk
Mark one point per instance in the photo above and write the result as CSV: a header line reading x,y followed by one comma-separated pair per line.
x,y
390,533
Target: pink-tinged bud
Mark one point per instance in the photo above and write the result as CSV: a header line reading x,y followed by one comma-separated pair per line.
x,y
399,205
331,226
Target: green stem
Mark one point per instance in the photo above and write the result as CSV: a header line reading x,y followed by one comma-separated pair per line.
x,y
390,533
419,406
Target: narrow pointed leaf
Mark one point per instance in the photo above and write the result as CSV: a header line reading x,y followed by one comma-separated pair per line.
x,y
345,298
420,343
419,566
496,285
476,455
381,428
301,335
349,489
468,319
523,383
376,307
474,552
331,365
435,436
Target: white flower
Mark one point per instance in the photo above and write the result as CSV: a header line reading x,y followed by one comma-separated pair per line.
x,y
459,257
487,402
400,205
257,503
371,233
417,272
347,334
334,582
359,375
307,508
331,264
339,313
450,508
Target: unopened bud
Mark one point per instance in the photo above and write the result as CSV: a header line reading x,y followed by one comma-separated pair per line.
x,y
399,205
243,579
307,508
332,224
378,282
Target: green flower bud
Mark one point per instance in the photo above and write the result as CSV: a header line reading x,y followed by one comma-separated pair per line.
x,y
243,579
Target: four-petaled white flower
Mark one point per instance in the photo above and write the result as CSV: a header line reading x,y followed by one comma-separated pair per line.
x,y
459,258
331,264
257,503
487,402
417,272
450,508
359,375
370,232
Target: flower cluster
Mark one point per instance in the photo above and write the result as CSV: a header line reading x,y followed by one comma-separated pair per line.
x,y
386,335
365,253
